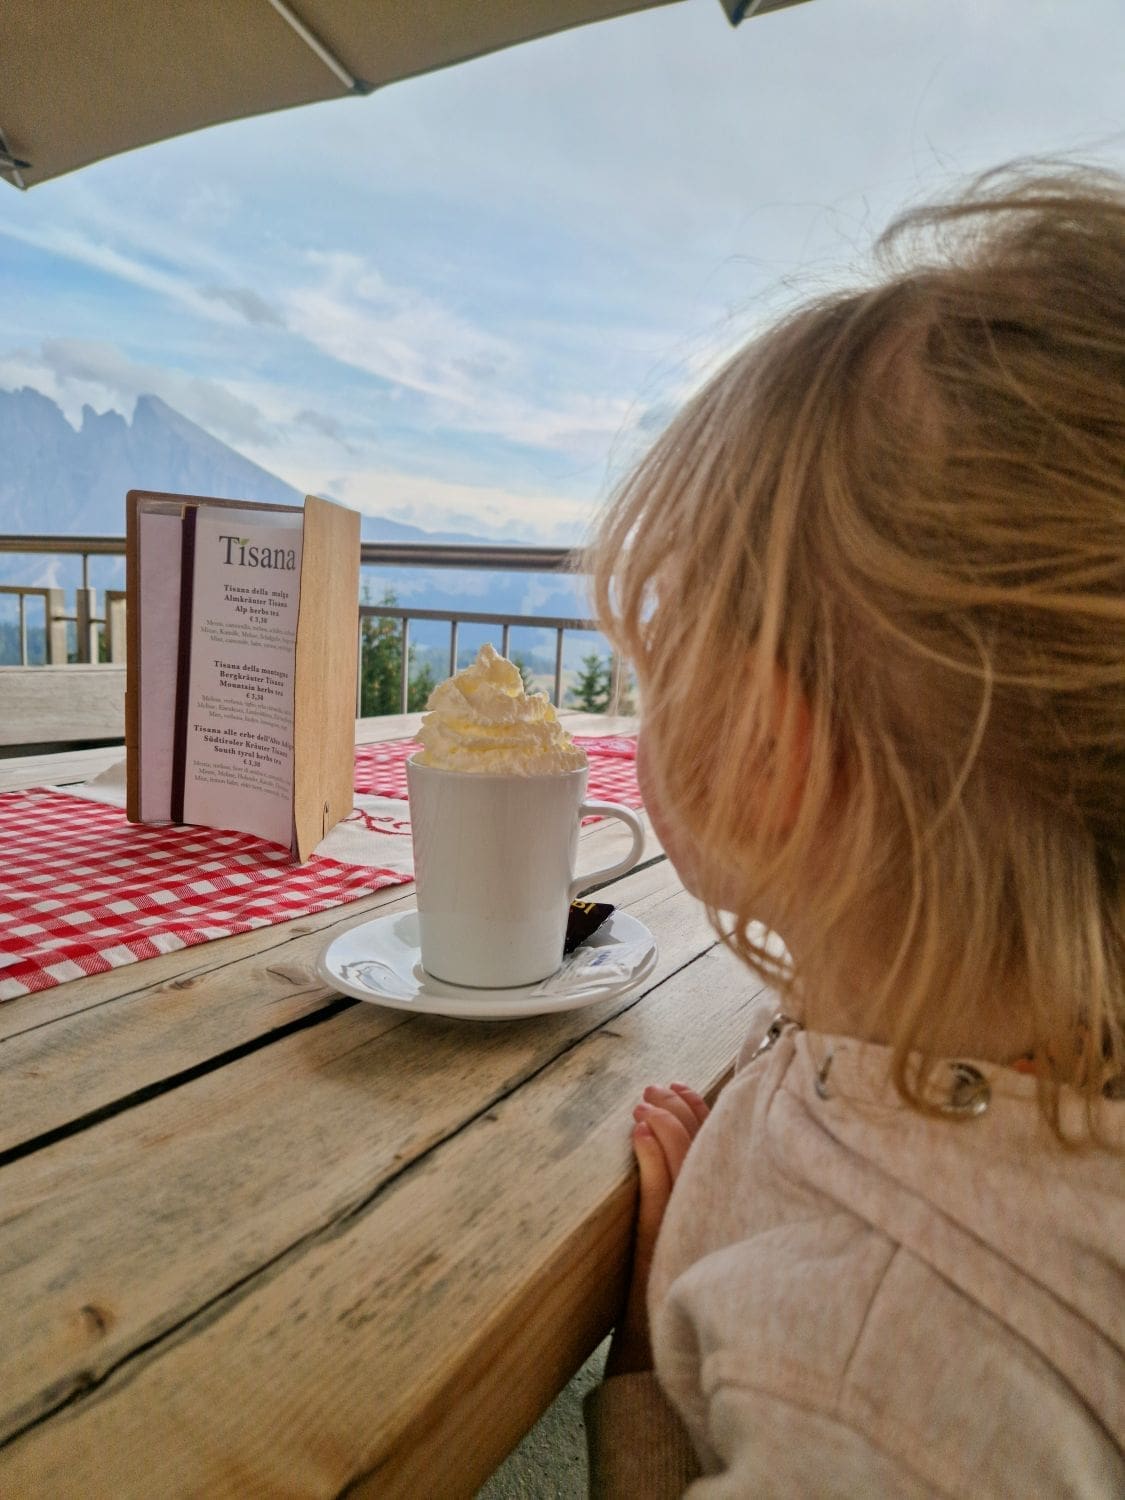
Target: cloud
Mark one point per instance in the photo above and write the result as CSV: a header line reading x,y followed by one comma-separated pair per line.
x,y
141,266
324,424
254,308
489,511
469,378
472,380
670,133
395,333
78,372
77,246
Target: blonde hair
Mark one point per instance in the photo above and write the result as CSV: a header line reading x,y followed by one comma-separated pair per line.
x,y
910,498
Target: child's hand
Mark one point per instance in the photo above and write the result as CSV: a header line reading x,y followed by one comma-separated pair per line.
x,y
668,1120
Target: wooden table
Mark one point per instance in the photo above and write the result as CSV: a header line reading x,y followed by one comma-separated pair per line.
x,y
260,1239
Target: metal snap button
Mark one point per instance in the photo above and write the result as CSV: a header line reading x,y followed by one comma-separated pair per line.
x,y
776,1028
969,1093
820,1078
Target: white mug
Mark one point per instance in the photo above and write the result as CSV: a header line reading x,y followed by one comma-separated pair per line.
x,y
494,860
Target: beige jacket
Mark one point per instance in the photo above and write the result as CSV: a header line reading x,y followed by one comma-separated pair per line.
x,y
852,1299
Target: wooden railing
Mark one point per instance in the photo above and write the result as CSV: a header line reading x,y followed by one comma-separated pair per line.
x,y
101,636
91,629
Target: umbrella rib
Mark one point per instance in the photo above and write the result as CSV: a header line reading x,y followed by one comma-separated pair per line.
x,y
314,44
12,164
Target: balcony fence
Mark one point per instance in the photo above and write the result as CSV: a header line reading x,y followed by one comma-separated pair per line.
x,y
100,636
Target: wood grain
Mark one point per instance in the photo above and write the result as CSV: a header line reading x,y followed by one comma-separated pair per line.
x,y
406,1345
152,1213
61,704
58,768
324,673
285,1244
138,1026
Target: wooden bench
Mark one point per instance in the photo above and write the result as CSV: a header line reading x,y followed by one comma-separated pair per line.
x,y
53,707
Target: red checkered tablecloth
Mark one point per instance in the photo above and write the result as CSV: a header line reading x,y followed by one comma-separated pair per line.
x,y
82,890
381,769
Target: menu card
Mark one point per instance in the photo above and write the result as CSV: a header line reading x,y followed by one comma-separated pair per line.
x,y
241,664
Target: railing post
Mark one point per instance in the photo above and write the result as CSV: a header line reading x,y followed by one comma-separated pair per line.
x,y
57,646
558,666
359,672
452,647
505,639
23,630
616,678
85,608
404,697
115,624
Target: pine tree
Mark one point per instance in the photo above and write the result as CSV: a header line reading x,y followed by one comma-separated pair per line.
x,y
381,666
592,689
421,685
523,666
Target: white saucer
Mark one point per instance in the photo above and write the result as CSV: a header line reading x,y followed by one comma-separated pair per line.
x,y
379,961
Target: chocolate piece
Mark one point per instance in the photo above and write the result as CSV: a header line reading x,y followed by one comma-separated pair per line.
x,y
584,919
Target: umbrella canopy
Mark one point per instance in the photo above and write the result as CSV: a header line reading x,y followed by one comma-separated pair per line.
x,y
84,79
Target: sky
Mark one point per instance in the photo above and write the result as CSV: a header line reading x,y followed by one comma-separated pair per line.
x,y
469,300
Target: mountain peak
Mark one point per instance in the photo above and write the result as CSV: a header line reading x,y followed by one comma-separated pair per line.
x,y
151,413
153,406
107,421
56,479
27,395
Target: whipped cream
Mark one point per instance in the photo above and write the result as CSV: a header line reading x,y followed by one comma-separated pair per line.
x,y
482,720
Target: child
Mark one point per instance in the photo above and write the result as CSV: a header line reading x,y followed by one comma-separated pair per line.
x,y
871,580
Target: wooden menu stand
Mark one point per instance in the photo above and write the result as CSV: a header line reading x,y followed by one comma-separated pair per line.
x,y
324,666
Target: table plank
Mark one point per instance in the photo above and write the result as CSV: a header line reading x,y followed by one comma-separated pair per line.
x,y
149,1215
387,727
121,1032
184,969
57,768
239,1157
355,1357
